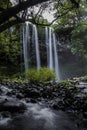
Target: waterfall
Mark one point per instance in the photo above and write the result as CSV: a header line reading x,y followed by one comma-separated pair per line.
x,y
50,49
56,65
25,45
52,55
37,47
47,44
26,42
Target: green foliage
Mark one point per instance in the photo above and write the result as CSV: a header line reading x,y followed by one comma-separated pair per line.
x,y
84,79
73,18
78,48
19,80
65,83
40,75
41,20
10,46
65,13
5,4
13,80
79,39
32,75
17,77
46,74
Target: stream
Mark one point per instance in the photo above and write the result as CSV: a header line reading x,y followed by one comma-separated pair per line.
x,y
22,114
39,117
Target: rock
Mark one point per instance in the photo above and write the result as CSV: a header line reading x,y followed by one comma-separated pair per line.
x,y
85,114
12,105
33,100
55,106
33,93
5,114
19,95
83,123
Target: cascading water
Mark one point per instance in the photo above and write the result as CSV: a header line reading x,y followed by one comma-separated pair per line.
x,y
50,49
25,45
56,65
52,55
26,42
47,44
37,47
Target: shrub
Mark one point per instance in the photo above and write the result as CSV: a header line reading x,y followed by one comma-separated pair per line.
x,y
46,74
32,75
40,75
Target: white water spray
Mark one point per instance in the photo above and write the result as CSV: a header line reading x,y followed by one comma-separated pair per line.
x,y
47,44
56,64
25,45
52,54
50,49
37,47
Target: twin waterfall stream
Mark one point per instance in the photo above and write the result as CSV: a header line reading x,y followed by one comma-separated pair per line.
x,y
50,43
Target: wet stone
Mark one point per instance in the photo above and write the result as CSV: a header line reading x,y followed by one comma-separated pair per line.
x,y
12,106
5,114
19,95
32,93
85,114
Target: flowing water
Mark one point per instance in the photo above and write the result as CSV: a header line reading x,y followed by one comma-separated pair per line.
x,y
56,64
25,45
38,117
38,64
50,49
47,44
52,52
51,45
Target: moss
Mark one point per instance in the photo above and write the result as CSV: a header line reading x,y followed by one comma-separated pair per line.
x,y
65,83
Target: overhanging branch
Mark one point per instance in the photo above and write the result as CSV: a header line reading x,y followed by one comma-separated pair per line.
x,y
8,13
14,22
61,15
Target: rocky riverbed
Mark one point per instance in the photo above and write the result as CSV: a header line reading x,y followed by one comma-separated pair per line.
x,y
43,106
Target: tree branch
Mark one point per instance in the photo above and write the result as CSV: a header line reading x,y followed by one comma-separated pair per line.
x,y
14,22
8,25
69,9
8,13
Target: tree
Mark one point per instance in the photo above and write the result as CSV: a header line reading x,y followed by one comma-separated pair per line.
x,y
9,15
9,46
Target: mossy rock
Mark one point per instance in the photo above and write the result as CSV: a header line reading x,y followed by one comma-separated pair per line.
x,y
67,84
